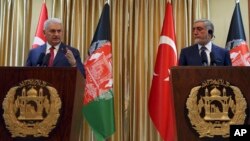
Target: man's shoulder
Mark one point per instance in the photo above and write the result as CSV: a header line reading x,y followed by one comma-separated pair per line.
x,y
38,48
68,46
192,47
216,47
73,49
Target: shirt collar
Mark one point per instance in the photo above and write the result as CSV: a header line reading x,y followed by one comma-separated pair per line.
x,y
49,46
208,46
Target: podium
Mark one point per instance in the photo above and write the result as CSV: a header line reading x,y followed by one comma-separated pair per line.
x,y
187,81
69,84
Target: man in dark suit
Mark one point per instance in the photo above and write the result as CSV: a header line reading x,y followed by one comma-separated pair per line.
x,y
204,52
57,53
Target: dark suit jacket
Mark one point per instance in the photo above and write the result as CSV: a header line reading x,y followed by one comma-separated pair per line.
x,y
190,56
60,59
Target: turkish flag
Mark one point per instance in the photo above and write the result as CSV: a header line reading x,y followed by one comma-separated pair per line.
x,y
160,104
39,37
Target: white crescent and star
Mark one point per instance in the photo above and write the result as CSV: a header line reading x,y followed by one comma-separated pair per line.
x,y
171,43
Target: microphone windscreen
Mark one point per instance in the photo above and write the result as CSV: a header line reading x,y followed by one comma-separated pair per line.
x,y
40,59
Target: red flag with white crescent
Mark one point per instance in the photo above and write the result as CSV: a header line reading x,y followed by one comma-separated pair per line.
x,y
39,37
160,104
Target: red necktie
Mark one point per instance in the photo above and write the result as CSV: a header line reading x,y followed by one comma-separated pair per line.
x,y
51,59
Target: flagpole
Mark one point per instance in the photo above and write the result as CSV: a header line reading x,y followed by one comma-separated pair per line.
x,y
99,111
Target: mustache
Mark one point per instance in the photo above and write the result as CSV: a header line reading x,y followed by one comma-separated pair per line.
x,y
57,37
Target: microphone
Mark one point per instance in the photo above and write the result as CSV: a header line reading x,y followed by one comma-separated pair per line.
x,y
213,62
204,61
40,59
46,60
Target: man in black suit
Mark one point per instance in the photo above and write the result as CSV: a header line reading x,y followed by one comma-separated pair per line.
x,y
57,53
204,52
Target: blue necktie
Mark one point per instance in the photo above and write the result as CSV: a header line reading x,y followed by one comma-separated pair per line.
x,y
204,56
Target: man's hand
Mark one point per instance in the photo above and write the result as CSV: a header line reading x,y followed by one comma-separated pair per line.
x,y
69,55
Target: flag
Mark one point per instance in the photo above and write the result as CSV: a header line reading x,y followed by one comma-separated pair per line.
x,y
236,40
39,37
160,104
98,100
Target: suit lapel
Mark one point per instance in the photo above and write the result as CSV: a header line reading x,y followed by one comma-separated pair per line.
x,y
60,54
197,55
42,49
197,52
216,52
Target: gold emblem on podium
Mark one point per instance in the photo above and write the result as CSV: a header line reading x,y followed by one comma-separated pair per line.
x,y
31,109
214,106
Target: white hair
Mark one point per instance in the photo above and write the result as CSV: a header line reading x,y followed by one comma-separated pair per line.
x,y
51,20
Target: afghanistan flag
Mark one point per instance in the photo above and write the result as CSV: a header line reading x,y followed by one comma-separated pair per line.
x,y
236,40
98,100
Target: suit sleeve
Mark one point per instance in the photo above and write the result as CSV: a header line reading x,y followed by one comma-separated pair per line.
x,y
29,60
227,59
182,60
79,63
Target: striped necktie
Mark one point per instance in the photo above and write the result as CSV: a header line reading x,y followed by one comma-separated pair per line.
x,y
204,56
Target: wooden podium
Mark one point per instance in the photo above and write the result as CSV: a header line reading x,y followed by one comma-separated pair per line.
x,y
184,79
69,84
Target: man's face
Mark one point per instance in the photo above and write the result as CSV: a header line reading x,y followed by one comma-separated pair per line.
x,y
200,33
53,33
